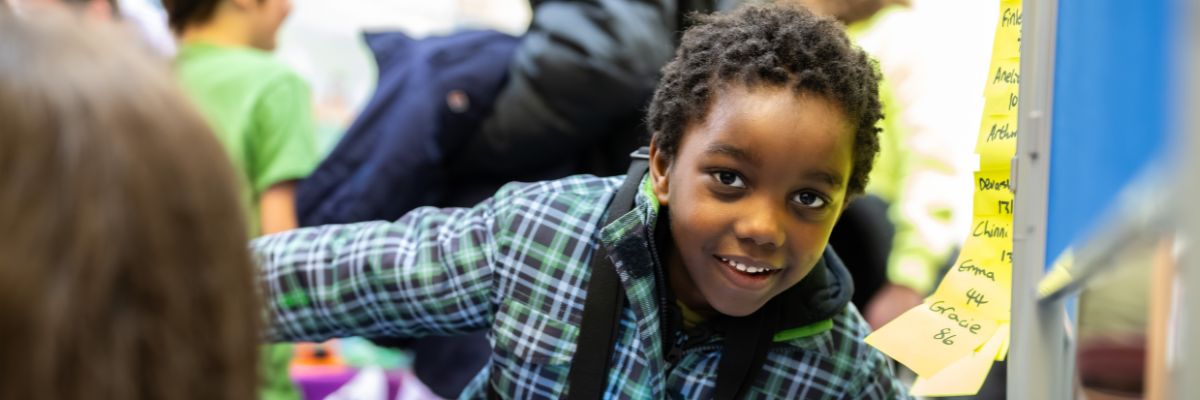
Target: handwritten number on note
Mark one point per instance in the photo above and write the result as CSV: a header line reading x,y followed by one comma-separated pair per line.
x,y
945,336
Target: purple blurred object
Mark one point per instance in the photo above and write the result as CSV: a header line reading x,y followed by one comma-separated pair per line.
x,y
316,383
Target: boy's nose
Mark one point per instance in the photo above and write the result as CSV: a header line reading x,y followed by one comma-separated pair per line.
x,y
760,226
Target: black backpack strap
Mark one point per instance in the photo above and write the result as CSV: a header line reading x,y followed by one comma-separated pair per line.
x,y
747,340
605,298
816,298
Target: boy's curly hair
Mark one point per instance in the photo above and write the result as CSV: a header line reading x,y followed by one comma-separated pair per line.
x,y
769,45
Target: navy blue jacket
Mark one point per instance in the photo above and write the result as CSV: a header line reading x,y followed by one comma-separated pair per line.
x,y
432,94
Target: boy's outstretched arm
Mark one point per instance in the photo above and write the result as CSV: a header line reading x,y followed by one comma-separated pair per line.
x,y
428,273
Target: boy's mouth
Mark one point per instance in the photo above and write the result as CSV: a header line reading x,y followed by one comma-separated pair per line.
x,y
748,268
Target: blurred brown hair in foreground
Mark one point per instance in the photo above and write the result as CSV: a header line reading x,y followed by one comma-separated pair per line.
x,y
124,272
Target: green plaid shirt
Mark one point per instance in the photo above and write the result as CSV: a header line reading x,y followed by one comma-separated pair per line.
x,y
518,265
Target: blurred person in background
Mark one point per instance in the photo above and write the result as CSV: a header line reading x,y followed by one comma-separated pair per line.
x,y
124,273
146,18
101,10
261,112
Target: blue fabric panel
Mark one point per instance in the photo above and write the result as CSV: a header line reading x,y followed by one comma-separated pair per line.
x,y
1112,88
391,158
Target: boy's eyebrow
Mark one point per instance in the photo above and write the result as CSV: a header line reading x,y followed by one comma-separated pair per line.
x,y
731,151
833,179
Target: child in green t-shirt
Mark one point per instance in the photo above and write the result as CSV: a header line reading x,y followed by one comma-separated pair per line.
x,y
260,111
258,106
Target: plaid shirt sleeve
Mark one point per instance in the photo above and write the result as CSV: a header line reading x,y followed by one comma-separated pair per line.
x,y
428,273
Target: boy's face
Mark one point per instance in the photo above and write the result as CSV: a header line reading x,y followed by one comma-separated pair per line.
x,y
267,16
753,192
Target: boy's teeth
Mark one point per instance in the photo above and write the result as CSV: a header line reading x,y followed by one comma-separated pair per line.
x,y
743,267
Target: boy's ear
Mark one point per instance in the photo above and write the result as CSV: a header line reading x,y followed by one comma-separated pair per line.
x,y
660,166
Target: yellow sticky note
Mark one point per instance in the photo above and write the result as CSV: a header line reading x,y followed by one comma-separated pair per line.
x,y
995,232
995,203
1003,352
994,180
951,339
1003,76
994,252
1060,274
985,250
994,129
980,280
997,140
982,267
965,376
1008,32
931,336
998,155
975,295
1001,103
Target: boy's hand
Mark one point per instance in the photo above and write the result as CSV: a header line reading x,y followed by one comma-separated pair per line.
x,y
891,301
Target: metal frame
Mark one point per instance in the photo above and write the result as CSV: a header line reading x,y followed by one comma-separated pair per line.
x,y
1038,366
1187,350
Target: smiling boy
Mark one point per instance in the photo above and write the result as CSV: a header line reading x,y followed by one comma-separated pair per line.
x,y
753,191
764,128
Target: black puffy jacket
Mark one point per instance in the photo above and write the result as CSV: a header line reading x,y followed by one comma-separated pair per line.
x,y
576,96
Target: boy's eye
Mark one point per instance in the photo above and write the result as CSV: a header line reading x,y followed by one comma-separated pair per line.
x,y
809,200
729,179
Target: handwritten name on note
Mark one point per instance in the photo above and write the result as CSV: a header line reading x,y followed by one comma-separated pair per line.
x,y
986,229
923,353
1010,17
1010,76
1004,76
993,197
987,183
952,314
969,267
1001,131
